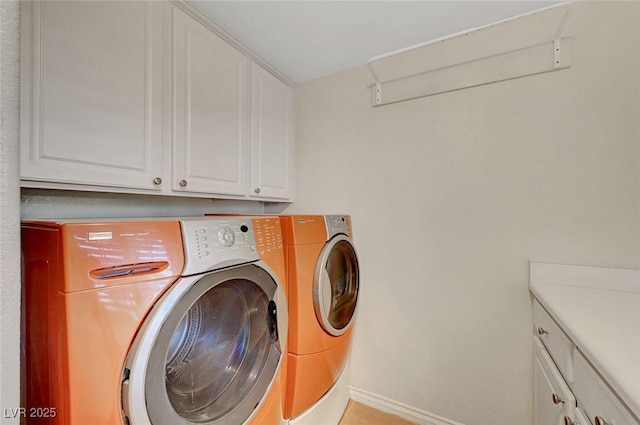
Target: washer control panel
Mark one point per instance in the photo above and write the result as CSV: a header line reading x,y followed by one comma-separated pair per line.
x,y
337,224
211,243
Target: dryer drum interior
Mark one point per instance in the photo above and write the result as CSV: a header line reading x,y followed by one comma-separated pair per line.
x,y
215,354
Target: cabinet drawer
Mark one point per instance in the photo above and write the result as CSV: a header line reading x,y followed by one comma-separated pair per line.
x,y
595,397
557,343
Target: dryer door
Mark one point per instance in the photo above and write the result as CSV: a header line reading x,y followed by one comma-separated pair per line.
x,y
335,285
207,352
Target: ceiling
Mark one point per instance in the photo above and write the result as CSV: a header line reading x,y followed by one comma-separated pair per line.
x,y
310,39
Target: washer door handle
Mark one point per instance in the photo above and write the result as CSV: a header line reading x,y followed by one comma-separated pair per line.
x,y
272,320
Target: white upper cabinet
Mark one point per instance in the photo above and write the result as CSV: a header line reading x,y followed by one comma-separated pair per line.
x,y
149,97
272,104
92,93
210,110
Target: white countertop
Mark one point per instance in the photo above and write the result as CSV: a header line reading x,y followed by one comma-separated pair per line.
x,y
599,309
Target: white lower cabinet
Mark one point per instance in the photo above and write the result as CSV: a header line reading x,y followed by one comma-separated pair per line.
x,y
145,97
567,388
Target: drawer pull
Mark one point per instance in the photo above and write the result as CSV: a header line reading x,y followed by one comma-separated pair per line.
x,y
567,421
542,331
557,400
598,420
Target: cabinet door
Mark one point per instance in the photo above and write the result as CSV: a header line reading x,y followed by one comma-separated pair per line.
x,y
210,112
91,93
553,399
271,136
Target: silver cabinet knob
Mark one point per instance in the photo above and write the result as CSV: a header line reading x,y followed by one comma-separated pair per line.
x,y
256,190
599,420
157,181
556,399
567,421
183,183
542,331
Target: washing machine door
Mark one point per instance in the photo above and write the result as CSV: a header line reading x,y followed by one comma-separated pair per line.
x,y
336,285
207,352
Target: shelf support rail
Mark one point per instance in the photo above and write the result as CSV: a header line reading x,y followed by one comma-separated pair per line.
x,y
491,67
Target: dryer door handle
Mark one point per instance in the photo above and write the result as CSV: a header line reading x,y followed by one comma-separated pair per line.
x,y
272,320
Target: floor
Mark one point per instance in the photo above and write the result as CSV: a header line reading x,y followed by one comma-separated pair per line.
x,y
359,414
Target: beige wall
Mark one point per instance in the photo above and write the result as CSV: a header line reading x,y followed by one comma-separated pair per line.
x,y
9,210
451,196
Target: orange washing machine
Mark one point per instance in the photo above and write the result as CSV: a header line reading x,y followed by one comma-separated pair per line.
x,y
154,321
323,281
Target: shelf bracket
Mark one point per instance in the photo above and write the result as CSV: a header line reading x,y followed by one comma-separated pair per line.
x,y
377,94
557,40
557,50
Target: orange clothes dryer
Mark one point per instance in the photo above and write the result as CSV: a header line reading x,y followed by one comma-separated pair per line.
x,y
323,282
172,321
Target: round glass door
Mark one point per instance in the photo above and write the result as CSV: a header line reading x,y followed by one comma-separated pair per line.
x,y
215,350
336,285
221,342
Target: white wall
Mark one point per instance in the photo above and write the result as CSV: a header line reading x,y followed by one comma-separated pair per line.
x,y
451,196
9,210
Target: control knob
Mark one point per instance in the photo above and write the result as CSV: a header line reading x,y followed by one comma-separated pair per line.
x,y
226,237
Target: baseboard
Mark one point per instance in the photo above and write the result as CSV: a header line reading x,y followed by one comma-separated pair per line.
x,y
399,409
